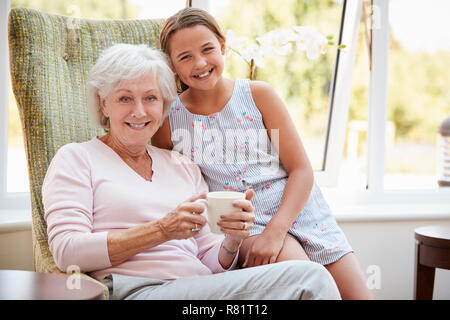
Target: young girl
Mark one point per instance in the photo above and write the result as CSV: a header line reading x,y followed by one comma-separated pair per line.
x,y
293,220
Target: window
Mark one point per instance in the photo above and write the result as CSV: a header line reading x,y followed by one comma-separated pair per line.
x,y
399,98
418,92
306,86
369,139
14,185
368,115
417,99
7,200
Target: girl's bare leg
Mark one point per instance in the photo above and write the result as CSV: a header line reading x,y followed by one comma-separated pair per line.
x,y
347,273
292,250
349,278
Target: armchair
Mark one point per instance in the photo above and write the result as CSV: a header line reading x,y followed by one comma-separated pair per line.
x,y
50,59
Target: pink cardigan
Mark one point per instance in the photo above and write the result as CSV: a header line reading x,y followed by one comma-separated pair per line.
x,y
89,190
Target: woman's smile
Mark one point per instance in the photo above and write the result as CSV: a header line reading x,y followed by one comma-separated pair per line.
x,y
138,126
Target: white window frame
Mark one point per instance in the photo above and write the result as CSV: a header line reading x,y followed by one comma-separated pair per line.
x,y
4,88
328,177
8,200
424,200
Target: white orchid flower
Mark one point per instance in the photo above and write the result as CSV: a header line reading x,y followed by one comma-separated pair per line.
x,y
311,41
235,43
279,42
253,52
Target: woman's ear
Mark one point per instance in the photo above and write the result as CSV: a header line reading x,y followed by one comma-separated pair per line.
x,y
101,103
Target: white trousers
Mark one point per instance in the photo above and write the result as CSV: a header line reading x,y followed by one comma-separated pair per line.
x,y
289,280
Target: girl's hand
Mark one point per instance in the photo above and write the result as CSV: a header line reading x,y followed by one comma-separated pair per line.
x,y
185,221
232,223
265,250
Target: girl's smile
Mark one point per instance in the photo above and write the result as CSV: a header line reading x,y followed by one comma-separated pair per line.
x,y
203,75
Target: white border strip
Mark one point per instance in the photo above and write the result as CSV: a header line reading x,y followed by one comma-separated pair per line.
x,y
8,200
4,88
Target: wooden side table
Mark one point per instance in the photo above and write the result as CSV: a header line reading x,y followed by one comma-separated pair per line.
x,y
432,251
28,285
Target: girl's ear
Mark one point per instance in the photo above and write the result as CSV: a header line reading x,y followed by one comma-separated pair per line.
x,y
223,47
170,63
171,66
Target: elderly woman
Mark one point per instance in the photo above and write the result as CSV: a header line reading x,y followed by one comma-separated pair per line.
x,y
125,211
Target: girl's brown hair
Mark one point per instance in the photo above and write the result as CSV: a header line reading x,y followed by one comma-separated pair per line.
x,y
186,18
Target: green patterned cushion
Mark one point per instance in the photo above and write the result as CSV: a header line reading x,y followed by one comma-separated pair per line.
x,y
50,58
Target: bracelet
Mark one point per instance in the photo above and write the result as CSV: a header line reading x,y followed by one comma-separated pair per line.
x,y
229,251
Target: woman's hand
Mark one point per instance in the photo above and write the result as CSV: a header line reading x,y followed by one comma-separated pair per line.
x,y
185,221
182,223
237,225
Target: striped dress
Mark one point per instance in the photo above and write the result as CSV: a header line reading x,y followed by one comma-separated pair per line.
x,y
234,152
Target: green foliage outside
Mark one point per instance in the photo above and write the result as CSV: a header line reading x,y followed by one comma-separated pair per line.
x,y
419,82
91,9
303,84
418,96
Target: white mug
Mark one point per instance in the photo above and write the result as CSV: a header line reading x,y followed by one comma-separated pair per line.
x,y
219,202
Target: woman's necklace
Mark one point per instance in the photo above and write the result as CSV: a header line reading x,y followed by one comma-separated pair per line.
x,y
143,169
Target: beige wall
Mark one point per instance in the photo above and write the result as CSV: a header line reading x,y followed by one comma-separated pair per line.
x,y
388,245
16,251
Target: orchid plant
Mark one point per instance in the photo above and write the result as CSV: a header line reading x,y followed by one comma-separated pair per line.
x,y
279,42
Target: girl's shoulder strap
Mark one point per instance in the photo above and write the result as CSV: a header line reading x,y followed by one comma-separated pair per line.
x,y
242,86
243,101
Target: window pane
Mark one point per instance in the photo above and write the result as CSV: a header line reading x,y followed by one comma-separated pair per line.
x,y
111,9
153,9
91,9
353,171
304,85
418,97
17,174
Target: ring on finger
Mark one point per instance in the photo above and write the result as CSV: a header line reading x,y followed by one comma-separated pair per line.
x,y
196,228
245,226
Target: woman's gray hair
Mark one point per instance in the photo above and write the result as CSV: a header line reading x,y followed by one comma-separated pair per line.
x,y
122,62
